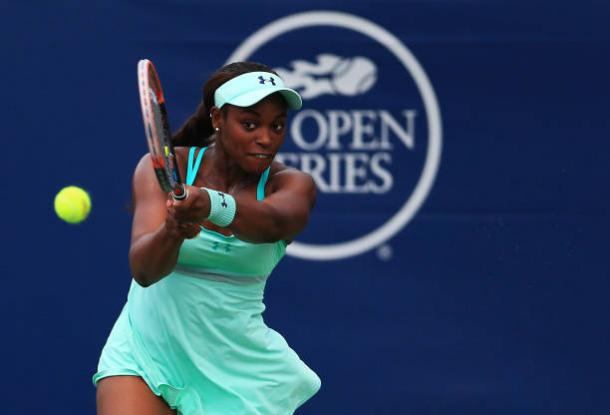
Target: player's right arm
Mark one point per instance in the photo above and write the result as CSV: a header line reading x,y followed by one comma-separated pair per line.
x,y
156,237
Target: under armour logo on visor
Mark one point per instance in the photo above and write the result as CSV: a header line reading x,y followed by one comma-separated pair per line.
x,y
224,202
262,80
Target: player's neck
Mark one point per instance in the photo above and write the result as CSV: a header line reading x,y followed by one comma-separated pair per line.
x,y
224,173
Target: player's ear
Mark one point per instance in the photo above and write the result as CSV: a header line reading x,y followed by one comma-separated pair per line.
x,y
216,116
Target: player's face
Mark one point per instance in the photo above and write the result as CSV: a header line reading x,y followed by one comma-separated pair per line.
x,y
252,136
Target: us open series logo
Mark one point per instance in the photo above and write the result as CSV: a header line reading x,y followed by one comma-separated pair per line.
x,y
369,132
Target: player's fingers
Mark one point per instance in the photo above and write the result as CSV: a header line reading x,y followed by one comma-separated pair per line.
x,y
185,213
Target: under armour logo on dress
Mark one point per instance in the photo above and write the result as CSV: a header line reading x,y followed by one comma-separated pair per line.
x,y
224,202
262,80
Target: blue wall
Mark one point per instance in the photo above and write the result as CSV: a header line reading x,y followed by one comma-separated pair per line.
x,y
491,299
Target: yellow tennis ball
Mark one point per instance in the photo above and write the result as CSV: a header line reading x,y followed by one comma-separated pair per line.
x,y
72,204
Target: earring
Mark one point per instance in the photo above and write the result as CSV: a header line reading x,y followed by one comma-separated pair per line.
x,y
216,129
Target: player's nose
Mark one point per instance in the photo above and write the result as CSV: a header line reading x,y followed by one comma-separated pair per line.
x,y
264,138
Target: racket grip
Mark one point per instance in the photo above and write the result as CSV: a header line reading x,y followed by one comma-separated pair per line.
x,y
179,192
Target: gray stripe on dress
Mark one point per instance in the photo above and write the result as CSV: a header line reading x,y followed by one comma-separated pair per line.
x,y
231,279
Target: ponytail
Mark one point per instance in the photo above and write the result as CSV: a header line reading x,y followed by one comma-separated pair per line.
x,y
196,130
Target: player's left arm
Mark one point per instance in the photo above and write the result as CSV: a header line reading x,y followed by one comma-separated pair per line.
x,y
282,215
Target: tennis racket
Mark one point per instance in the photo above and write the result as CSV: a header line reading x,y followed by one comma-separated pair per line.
x,y
156,126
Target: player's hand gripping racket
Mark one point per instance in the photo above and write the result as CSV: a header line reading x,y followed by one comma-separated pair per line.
x,y
156,125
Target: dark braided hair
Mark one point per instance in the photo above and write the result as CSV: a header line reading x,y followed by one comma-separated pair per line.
x,y
197,130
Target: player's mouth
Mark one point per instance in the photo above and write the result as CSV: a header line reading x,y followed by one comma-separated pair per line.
x,y
262,156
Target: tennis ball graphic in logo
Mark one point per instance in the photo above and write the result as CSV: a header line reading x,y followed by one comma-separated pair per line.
x,y
72,204
354,76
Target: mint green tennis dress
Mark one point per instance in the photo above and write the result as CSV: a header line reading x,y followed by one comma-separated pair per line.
x,y
197,337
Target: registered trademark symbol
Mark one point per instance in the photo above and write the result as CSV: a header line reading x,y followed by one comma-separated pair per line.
x,y
385,252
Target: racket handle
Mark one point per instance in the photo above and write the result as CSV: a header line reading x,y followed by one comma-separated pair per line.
x,y
179,193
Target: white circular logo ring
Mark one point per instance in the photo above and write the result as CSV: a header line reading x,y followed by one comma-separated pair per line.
x,y
392,43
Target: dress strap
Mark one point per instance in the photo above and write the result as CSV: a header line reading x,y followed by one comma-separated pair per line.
x,y
193,165
260,190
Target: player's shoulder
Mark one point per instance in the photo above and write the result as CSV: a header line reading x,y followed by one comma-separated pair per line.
x,y
280,174
144,161
280,170
143,170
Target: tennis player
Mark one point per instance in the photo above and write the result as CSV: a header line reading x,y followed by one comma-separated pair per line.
x,y
191,339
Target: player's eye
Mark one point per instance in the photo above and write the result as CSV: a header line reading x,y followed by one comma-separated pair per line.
x,y
249,125
278,127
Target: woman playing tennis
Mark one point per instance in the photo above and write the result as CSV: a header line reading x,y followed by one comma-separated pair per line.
x,y
191,338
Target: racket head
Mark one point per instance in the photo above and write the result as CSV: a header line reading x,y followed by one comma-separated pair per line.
x,y
156,127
